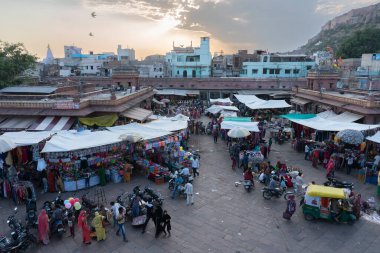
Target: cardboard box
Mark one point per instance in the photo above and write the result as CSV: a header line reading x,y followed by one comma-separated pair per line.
x,y
159,180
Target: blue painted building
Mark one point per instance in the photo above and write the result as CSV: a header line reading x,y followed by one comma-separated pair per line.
x,y
277,66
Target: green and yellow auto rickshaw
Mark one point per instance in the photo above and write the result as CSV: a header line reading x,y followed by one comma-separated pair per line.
x,y
323,202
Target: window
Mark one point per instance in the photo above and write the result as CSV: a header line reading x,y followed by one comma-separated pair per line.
x,y
296,71
171,85
179,58
331,85
287,71
265,59
271,71
155,76
277,71
154,69
177,72
92,67
308,67
194,73
182,85
255,71
265,70
184,73
272,87
284,87
160,85
86,67
259,87
160,76
160,69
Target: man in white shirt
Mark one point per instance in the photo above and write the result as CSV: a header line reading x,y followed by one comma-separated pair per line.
x,y
115,211
185,171
376,162
195,166
307,151
350,163
299,183
189,193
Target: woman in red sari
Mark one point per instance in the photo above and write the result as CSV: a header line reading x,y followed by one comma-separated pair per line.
x,y
43,227
82,224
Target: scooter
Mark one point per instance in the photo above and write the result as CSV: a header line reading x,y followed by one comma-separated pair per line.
x,y
338,184
268,193
152,194
31,213
248,185
20,236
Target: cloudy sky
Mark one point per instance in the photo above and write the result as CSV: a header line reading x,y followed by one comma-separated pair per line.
x,y
151,26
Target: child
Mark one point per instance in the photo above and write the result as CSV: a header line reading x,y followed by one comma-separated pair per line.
x,y
167,226
71,221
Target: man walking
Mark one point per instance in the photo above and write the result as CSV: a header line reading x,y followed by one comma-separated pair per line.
x,y
307,152
195,165
149,214
120,223
189,193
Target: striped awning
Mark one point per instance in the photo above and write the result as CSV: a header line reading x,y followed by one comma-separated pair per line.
x,y
137,113
52,124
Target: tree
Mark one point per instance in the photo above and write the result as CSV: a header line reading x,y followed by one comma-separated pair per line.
x,y
14,59
361,42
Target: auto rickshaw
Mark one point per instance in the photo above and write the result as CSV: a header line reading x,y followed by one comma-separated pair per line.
x,y
323,202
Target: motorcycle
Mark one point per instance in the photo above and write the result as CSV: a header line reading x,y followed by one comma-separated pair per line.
x,y
268,193
152,194
248,185
88,203
20,236
338,184
31,213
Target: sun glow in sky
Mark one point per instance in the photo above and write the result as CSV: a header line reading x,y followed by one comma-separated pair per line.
x,y
151,26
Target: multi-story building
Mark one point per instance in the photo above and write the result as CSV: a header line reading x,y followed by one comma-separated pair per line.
x,y
240,57
153,66
125,54
368,74
277,66
190,62
221,66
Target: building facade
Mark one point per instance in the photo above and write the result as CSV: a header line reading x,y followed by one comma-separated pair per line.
x,y
127,54
277,66
190,62
221,66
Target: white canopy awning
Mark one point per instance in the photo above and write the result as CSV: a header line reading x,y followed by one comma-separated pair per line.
x,y
255,103
215,109
168,124
173,92
250,126
137,113
70,141
221,101
375,137
24,138
346,117
322,124
134,128
224,113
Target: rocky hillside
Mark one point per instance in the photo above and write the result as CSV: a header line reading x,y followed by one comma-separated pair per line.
x,y
336,30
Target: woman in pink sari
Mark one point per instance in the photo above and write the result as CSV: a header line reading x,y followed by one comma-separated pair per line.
x,y
82,224
43,227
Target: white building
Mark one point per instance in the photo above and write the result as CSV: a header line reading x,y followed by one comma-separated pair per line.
x,y
277,65
190,62
125,54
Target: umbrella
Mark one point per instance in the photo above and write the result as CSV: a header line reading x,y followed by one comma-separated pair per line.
x,y
133,137
349,136
238,132
6,144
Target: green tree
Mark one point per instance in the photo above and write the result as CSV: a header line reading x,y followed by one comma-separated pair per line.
x,y
14,59
361,42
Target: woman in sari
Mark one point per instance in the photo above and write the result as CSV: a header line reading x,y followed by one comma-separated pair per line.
x,y
82,224
97,223
43,227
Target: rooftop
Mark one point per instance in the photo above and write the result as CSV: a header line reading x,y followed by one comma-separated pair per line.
x,y
29,89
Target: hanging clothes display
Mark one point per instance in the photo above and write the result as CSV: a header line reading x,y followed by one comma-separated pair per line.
x,y
21,191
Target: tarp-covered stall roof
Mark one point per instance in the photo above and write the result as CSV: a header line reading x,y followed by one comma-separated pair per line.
x,y
137,113
103,121
296,116
52,124
346,117
168,124
69,141
215,109
255,103
221,101
17,123
134,128
172,92
375,137
250,126
28,138
322,124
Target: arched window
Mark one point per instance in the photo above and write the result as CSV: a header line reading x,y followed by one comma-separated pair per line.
x,y
194,73
265,58
185,73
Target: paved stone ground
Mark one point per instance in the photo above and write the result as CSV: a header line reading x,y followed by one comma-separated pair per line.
x,y
225,218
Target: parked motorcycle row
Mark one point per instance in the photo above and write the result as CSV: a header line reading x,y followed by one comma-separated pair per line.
x,y
20,238
146,195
